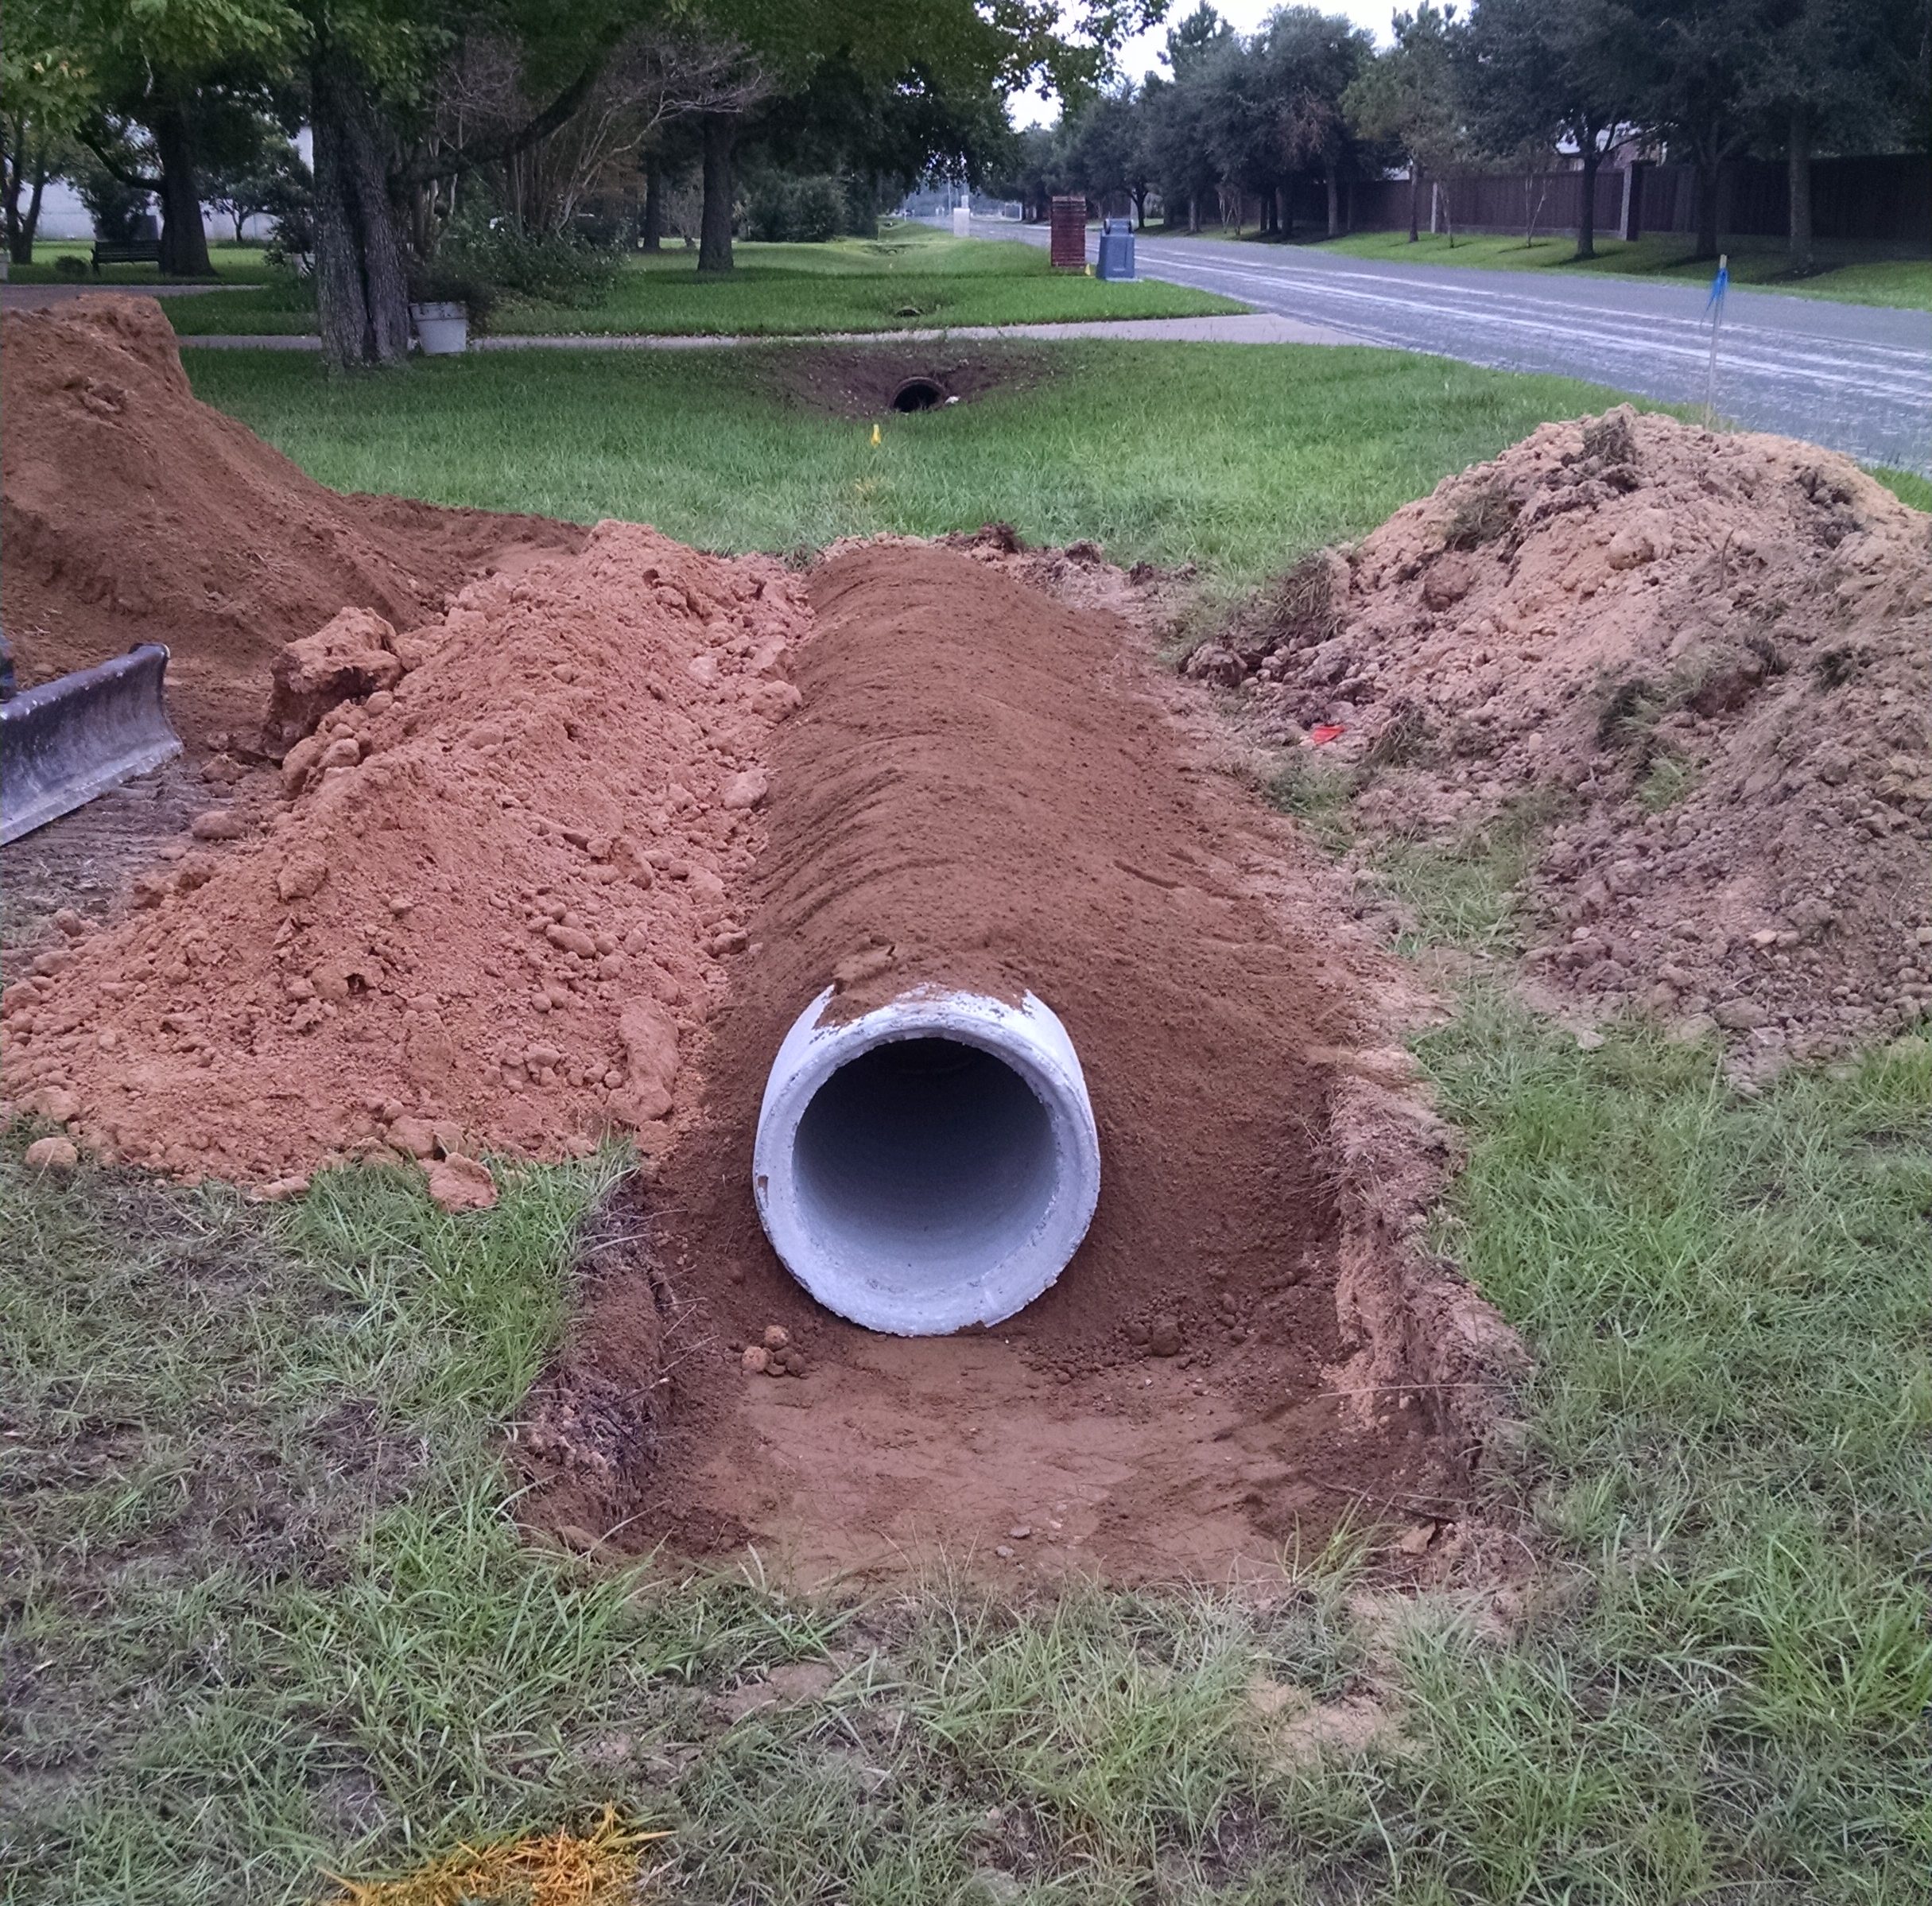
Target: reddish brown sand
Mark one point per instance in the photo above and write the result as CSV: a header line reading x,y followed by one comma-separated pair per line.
x,y
488,907
1710,657
988,791
129,512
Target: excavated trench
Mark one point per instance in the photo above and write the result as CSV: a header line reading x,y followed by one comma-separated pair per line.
x,y
987,808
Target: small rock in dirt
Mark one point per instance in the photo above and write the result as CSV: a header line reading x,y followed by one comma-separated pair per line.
x,y
57,1157
1164,1337
461,1184
1021,1531
217,824
416,1136
777,1336
70,923
754,1359
1739,1015
746,790
280,1190
1004,1552
54,1103
1413,1541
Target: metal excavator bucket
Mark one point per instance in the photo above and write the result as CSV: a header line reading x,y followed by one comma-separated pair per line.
x,y
76,736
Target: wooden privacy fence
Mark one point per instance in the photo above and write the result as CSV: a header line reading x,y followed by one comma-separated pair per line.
x,y
1883,199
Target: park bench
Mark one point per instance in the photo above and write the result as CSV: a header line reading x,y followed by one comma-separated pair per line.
x,y
135,251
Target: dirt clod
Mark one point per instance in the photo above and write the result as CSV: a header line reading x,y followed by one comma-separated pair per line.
x,y
57,1156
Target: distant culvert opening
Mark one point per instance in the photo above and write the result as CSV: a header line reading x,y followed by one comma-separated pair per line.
x,y
919,394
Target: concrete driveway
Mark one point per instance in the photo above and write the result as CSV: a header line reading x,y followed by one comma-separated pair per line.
x,y
1855,377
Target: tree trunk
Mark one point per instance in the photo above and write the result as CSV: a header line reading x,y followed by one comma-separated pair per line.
x,y
1140,208
653,236
184,243
1708,171
362,284
720,133
1797,160
1193,212
1415,199
1334,186
1586,212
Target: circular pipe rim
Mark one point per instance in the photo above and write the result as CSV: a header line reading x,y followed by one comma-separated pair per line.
x,y
1030,1039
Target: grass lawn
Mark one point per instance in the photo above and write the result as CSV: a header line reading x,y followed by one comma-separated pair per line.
x,y
1237,457
909,278
1844,276
234,264
267,1620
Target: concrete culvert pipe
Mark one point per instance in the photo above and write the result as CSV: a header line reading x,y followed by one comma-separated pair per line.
x,y
919,394
930,1164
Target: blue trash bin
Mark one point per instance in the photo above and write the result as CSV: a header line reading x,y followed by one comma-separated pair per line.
x,y
1116,260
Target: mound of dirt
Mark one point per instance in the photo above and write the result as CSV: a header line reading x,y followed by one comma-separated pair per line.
x,y
991,791
1710,657
488,908
130,512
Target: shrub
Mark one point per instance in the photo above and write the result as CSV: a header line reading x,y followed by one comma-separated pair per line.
x,y
67,266
798,211
492,258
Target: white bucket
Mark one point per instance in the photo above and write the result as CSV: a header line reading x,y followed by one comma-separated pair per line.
x,y
442,329
962,221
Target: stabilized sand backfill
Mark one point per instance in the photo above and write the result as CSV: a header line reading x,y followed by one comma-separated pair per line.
x,y
1709,656
987,790
129,512
488,908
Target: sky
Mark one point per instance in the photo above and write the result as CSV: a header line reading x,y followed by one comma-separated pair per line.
x,y
1141,55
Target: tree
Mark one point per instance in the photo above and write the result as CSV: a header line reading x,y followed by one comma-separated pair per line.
x,y
164,79
1707,61
268,175
1408,95
1837,70
43,94
1308,61
1547,72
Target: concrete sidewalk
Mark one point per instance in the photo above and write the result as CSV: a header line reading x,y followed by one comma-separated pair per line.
x,y
38,297
1245,328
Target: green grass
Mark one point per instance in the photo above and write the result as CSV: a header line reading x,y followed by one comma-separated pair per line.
x,y
267,1614
235,264
1844,274
1237,457
269,1617
1907,486
911,278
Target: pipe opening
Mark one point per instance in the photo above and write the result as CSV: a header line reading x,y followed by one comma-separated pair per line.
x,y
922,1162
919,394
931,1164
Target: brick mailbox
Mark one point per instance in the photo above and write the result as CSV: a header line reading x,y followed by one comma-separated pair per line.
x,y
1069,234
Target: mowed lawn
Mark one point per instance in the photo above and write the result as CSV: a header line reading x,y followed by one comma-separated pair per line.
x,y
1846,273
1237,457
269,1620
911,277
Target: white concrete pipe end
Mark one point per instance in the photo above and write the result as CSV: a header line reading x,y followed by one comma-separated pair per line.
x,y
931,1164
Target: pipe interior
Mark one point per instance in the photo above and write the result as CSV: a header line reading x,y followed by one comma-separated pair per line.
x,y
923,1163
919,394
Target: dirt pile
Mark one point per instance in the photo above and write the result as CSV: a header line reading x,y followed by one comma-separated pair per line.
x,y
1708,656
130,512
487,907
991,790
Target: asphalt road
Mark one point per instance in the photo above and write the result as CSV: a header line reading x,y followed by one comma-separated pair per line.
x,y
1855,377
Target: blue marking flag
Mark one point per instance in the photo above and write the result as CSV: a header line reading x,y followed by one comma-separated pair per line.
x,y
1713,306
